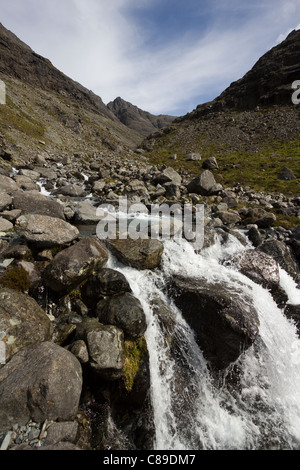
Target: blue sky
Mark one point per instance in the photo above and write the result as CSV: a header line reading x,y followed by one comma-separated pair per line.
x,y
164,56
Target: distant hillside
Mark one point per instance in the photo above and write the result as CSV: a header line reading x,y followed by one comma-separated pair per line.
x,y
133,117
252,127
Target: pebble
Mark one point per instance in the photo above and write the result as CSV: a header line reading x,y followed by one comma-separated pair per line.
x,y
33,434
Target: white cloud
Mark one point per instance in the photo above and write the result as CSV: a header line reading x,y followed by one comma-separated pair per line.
x,y
103,46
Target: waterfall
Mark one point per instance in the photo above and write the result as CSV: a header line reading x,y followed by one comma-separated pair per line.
x,y
255,403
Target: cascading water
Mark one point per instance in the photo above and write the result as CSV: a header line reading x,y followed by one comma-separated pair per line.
x,y
194,409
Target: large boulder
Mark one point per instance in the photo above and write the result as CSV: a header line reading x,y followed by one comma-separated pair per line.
x,y
139,254
223,319
22,321
260,267
7,184
282,254
75,264
106,282
124,311
46,232
105,344
86,213
168,175
204,184
71,190
42,381
35,203
5,200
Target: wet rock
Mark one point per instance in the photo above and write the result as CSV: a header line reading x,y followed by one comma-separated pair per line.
x,y
46,232
124,311
75,264
18,252
34,203
281,253
43,381
105,347
260,267
106,282
22,321
139,254
223,319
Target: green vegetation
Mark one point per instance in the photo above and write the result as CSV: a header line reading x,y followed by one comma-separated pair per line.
x,y
259,170
134,352
18,119
15,278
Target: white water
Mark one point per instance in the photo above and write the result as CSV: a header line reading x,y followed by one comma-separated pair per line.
x,y
194,410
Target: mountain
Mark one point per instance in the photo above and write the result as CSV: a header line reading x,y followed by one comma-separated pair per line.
x,y
133,117
48,111
252,128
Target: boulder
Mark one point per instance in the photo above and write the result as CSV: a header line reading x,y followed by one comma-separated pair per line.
x,y
139,254
279,251
5,225
223,319
5,200
260,267
105,347
34,203
106,282
286,174
124,311
168,175
22,321
228,217
204,184
71,190
46,232
7,184
86,213
42,381
75,264
210,164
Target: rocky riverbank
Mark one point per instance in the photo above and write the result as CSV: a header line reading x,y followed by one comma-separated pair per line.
x,y
76,368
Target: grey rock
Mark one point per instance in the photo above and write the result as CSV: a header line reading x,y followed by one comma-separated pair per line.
x,y
106,282
22,321
5,201
204,184
124,311
224,319
139,254
33,203
5,225
105,347
75,264
282,254
46,232
7,184
40,382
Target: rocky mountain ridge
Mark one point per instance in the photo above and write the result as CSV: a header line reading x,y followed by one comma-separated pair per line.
x,y
133,117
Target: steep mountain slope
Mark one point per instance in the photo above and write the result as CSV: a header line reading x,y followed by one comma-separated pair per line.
x,y
47,111
252,127
135,118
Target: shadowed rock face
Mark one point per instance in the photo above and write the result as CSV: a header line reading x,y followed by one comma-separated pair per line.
x,y
135,118
224,321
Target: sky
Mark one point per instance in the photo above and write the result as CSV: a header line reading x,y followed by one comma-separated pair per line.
x,y
164,56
